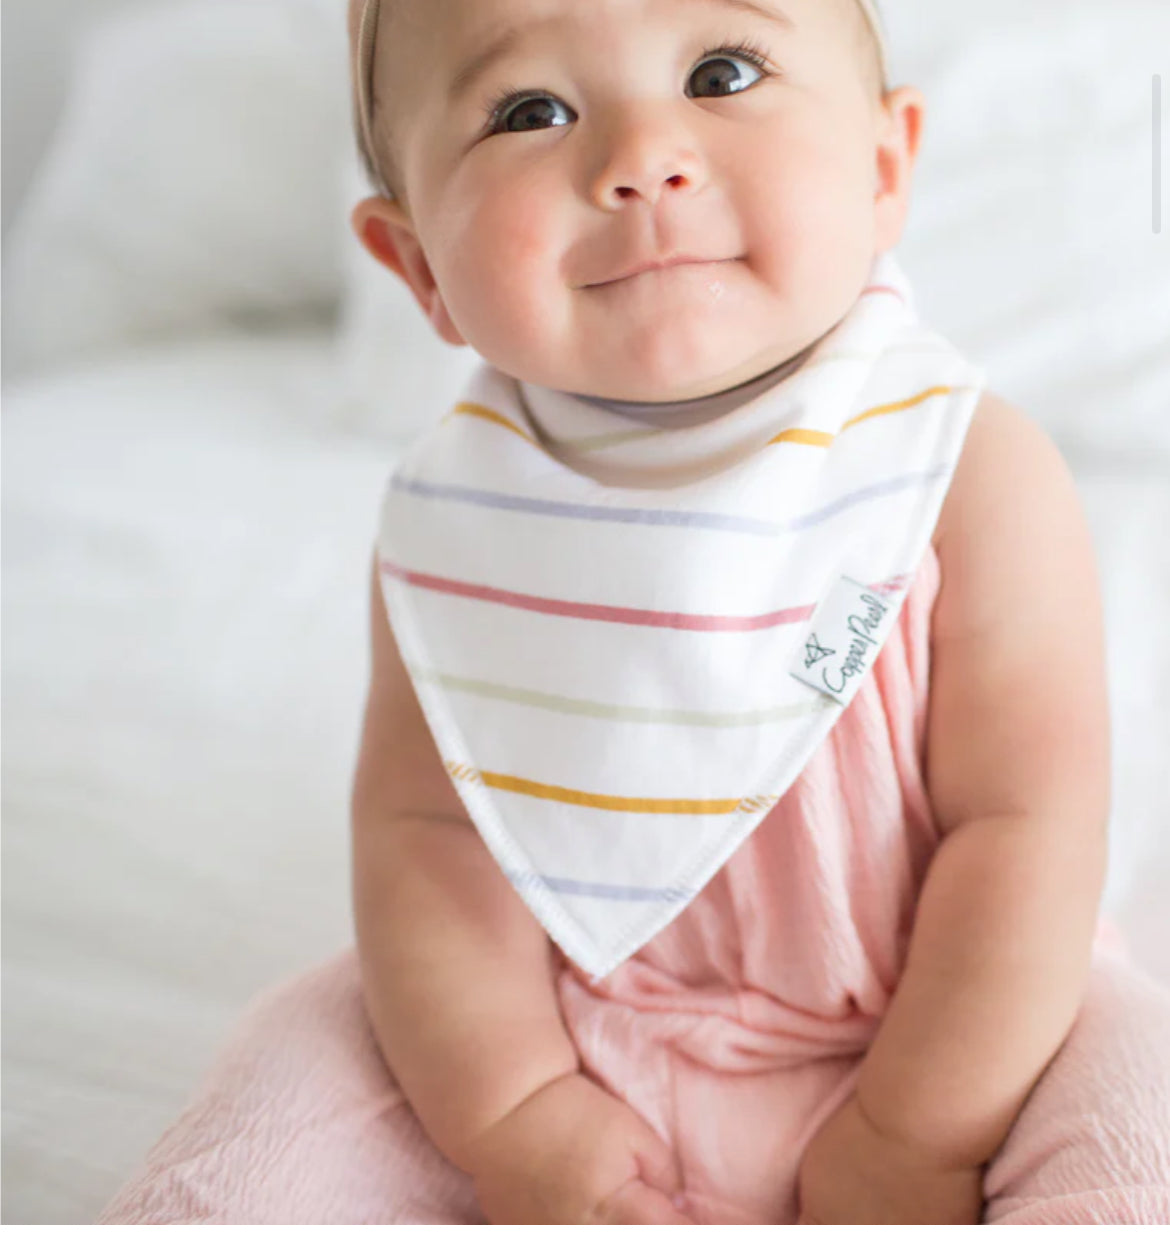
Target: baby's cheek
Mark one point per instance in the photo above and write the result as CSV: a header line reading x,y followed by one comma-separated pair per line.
x,y
524,239
501,272
499,299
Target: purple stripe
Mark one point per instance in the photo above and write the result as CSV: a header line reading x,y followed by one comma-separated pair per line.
x,y
664,518
869,494
576,510
598,891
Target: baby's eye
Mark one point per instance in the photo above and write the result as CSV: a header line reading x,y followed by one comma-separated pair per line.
x,y
520,113
721,74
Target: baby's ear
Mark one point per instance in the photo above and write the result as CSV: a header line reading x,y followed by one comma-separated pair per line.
x,y
899,139
387,234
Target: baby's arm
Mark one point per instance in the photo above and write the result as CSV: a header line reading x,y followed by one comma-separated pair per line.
x,y
458,982
456,971
1018,772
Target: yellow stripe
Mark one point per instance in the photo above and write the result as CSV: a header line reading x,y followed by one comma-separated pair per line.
x,y
600,801
486,413
812,437
886,408
807,437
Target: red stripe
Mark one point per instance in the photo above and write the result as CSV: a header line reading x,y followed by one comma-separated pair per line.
x,y
598,613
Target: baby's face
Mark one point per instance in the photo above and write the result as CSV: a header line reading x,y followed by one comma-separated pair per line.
x,y
604,136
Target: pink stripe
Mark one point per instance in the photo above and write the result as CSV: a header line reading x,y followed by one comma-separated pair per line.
x,y
875,288
599,613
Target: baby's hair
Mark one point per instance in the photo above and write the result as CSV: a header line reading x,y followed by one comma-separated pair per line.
x,y
364,20
365,17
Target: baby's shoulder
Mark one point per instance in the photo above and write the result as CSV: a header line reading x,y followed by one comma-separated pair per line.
x,y
994,420
1012,519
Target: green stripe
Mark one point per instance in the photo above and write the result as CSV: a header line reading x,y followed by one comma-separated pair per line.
x,y
599,441
604,711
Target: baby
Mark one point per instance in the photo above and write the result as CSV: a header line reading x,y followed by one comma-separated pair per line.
x,y
650,207
730,817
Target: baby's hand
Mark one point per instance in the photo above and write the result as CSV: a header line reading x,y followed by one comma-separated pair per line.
x,y
573,1153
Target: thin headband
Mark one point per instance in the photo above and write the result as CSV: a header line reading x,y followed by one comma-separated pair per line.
x,y
368,36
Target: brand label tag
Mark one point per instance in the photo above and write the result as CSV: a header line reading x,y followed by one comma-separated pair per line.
x,y
843,639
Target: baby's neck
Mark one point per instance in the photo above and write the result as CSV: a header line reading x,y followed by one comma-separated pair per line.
x,y
708,407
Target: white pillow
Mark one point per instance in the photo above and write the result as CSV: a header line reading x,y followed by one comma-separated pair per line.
x,y
191,183
1030,238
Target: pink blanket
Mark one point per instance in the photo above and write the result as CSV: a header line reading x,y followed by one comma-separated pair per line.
x,y
735,1032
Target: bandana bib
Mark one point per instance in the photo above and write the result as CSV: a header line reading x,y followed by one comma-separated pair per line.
x,y
628,636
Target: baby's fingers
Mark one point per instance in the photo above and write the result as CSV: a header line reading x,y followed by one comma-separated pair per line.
x,y
637,1204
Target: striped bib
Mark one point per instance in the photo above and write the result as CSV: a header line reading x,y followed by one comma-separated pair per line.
x,y
629,637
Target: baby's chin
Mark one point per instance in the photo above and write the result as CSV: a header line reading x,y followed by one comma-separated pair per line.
x,y
633,383
684,356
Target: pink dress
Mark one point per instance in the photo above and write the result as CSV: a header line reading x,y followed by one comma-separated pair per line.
x,y
735,1032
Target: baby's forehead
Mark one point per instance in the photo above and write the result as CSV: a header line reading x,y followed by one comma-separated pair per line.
x,y
461,21
416,34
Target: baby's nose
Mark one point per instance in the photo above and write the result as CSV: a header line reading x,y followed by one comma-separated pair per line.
x,y
676,181
644,161
649,186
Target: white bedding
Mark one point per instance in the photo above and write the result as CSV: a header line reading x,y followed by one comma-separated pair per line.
x,y
185,609
186,537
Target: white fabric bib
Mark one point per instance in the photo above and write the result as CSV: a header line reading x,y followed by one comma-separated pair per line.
x,y
629,639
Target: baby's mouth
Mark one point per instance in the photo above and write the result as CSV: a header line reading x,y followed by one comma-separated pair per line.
x,y
662,268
